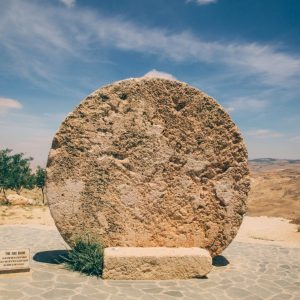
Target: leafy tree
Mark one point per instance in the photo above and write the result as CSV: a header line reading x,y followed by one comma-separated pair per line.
x,y
20,175
5,161
15,172
40,179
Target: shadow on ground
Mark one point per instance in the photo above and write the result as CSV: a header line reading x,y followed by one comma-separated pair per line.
x,y
220,261
58,257
51,257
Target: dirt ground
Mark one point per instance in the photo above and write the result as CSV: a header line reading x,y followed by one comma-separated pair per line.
x,y
269,230
275,190
33,215
262,230
34,194
273,202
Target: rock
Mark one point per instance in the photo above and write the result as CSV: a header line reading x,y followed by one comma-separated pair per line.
x,y
133,263
146,163
16,199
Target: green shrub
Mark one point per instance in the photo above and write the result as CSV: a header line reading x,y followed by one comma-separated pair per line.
x,y
86,257
4,203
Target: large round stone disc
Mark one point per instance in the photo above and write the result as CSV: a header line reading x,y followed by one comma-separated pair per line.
x,y
149,162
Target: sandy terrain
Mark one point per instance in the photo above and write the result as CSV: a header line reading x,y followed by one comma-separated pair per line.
x,y
31,215
264,230
274,200
275,189
269,230
34,194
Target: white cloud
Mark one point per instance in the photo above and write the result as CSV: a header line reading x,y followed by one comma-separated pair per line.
x,y
7,104
263,133
68,3
31,134
30,32
246,104
202,2
38,40
295,138
155,73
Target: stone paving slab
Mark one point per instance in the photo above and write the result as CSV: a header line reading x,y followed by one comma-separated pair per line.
x,y
254,271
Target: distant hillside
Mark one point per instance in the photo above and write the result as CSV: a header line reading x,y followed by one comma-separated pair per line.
x,y
274,188
268,160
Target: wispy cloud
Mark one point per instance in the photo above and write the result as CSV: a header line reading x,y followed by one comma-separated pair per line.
x,y
28,133
30,32
155,73
246,104
202,2
295,138
7,104
68,3
263,133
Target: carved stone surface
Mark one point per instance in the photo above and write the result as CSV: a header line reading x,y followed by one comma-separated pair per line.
x,y
123,263
149,162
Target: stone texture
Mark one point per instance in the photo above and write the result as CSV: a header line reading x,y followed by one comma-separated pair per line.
x,y
136,263
16,199
149,162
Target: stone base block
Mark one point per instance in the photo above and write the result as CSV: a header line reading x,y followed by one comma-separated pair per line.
x,y
135,263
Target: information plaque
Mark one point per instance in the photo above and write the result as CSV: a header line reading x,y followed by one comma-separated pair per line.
x,y
14,260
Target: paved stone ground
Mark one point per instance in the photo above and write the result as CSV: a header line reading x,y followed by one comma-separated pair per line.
x,y
254,272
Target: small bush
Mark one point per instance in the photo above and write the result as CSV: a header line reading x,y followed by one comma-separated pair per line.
x,y
86,257
296,221
4,203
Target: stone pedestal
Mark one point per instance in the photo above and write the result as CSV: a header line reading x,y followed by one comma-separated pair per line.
x,y
136,263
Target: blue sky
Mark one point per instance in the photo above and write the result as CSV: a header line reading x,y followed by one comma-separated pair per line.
x,y
246,54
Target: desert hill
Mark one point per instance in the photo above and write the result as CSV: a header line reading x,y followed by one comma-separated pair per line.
x,y
275,188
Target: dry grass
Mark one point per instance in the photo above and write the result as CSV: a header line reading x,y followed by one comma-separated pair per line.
x,y
296,221
34,194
